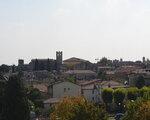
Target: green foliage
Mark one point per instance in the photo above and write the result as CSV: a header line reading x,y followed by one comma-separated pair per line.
x,y
103,61
34,97
132,93
138,110
16,103
102,75
140,82
4,68
107,95
119,95
143,91
77,109
33,94
71,79
2,93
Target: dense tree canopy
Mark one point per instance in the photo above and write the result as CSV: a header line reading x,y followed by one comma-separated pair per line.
x,y
107,95
140,82
119,95
16,103
77,109
138,110
4,68
132,93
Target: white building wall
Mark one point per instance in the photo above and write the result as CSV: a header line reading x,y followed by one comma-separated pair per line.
x,y
66,89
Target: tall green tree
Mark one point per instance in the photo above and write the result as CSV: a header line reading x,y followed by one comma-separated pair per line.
x,y
2,92
4,68
119,95
16,103
107,95
140,82
144,90
132,93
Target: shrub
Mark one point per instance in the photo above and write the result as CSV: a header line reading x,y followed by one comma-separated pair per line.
x,y
132,93
77,108
107,95
119,95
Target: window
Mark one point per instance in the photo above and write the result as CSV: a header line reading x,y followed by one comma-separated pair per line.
x,y
92,91
82,92
64,89
93,98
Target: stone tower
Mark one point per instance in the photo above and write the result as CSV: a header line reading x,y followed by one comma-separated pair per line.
x,y
20,62
59,59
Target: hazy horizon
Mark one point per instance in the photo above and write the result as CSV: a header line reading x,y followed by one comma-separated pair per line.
x,y
85,29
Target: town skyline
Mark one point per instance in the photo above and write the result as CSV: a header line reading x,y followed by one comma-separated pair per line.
x,y
26,61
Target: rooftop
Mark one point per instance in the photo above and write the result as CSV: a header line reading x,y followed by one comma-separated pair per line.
x,y
80,72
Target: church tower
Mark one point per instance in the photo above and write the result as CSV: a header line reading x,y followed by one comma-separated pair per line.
x,y
59,59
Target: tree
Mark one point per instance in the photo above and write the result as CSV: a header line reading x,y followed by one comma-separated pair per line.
x,y
16,103
132,93
103,61
107,95
34,94
144,108
138,110
102,75
71,79
144,90
140,82
119,95
77,108
3,83
4,68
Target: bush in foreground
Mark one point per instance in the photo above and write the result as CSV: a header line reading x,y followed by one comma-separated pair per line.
x,y
77,108
138,110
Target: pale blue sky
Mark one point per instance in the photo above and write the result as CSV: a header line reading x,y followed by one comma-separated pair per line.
x,y
87,29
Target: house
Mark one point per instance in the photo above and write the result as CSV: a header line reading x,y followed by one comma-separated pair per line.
x,y
47,103
41,87
134,77
112,84
89,90
77,64
81,74
63,88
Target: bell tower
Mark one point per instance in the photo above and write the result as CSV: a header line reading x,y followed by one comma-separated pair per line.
x,y
59,59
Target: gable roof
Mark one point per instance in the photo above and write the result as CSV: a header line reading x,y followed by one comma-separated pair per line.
x,y
80,72
112,84
74,59
58,82
41,87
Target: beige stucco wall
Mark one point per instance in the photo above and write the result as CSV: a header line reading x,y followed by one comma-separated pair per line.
x,y
66,89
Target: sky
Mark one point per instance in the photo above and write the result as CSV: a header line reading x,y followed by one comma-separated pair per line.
x,y
87,29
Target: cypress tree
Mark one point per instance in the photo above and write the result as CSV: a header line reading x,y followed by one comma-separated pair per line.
x,y
16,103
